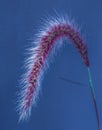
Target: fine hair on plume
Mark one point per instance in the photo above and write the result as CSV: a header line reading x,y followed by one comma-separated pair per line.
x,y
47,41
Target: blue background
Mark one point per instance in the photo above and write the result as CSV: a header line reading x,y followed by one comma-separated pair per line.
x,y
62,106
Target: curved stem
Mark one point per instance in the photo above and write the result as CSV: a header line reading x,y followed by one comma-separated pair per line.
x,y
94,98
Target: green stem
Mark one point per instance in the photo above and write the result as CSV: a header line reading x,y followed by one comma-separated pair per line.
x,y
94,98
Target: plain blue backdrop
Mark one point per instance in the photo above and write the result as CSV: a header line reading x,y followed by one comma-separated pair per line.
x,y
62,106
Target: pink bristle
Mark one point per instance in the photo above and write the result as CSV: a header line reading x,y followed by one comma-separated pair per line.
x,y
59,29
